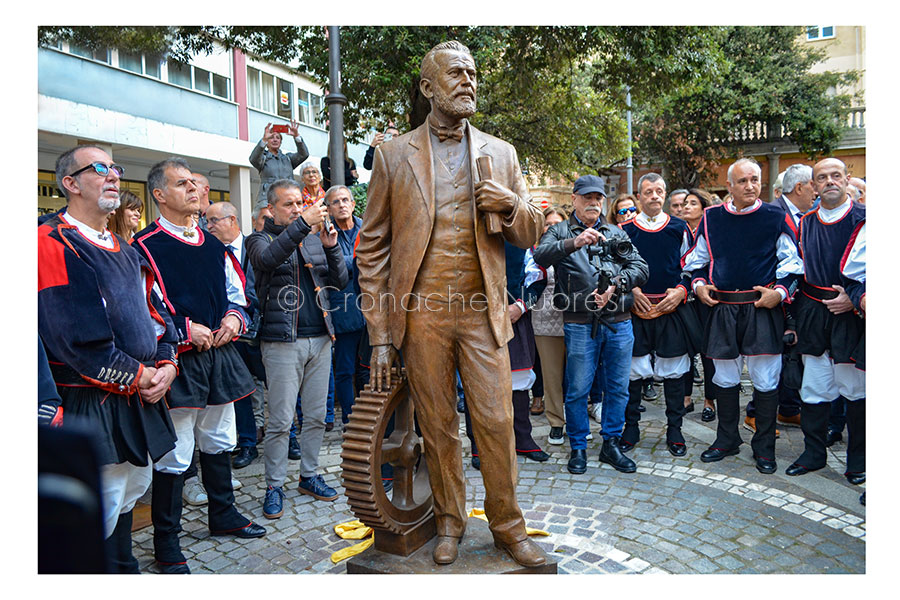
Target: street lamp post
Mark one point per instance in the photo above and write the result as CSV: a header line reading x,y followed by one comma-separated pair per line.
x,y
335,102
628,165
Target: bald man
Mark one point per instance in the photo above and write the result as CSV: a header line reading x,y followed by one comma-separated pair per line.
x,y
202,184
859,184
224,224
830,331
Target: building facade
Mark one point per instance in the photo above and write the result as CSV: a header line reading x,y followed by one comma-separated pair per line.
x,y
143,109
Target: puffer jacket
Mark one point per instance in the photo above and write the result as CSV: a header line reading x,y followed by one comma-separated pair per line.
x,y
277,254
576,276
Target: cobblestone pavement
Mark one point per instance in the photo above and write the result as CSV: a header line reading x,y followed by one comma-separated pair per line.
x,y
675,515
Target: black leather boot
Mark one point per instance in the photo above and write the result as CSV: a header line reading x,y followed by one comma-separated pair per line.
x,y
814,423
611,454
673,389
763,442
118,547
631,434
728,439
165,512
856,441
224,519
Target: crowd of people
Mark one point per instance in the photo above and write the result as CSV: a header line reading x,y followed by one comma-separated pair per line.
x,y
261,337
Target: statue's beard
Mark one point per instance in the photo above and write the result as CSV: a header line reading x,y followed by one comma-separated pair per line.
x,y
460,107
108,204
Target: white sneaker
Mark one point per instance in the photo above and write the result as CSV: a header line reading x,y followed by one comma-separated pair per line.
x,y
236,484
556,436
193,492
594,411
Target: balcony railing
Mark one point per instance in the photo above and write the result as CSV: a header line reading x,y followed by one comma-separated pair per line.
x,y
759,132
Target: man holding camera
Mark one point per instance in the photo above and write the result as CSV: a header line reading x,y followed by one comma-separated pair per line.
x,y
665,327
583,250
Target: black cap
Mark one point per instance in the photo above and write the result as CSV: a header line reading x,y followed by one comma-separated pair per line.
x,y
589,183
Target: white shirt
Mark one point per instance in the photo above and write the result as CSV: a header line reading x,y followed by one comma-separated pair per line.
x,y
855,265
100,238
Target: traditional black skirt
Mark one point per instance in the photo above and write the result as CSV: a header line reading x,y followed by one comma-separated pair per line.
x,y
742,329
521,348
210,378
668,336
818,330
126,429
859,353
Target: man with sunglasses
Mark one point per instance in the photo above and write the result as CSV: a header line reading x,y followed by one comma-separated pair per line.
x,y
203,286
565,248
109,340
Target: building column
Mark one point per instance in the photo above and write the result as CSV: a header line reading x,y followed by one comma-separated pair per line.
x,y
240,196
774,170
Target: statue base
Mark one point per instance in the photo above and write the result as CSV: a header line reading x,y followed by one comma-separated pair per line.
x,y
477,555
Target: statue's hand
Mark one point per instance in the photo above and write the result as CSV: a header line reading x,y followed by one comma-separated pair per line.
x,y
490,196
383,358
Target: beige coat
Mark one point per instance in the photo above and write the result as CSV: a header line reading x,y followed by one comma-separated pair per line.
x,y
398,223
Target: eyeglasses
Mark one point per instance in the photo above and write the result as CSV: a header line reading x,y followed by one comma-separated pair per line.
x,y
217,220
337,201
625,211
101,169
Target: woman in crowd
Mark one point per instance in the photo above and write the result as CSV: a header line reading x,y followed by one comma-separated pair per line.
x,y
623,209
312,190
126,220
694,204
350,174
273,164
547,323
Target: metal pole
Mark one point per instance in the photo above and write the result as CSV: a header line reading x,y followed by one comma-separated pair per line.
x,y
335,102
628,165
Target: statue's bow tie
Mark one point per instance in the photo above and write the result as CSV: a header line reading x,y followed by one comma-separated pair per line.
x,y
448,132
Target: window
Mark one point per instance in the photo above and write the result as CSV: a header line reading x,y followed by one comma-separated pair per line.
x,y
285,93
101,55
220,86
201,79
309,108
130,62
179,74
819,32
267,92
152,66
261,90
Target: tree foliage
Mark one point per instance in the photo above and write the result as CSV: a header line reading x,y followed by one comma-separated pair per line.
x,y
766,80
556,93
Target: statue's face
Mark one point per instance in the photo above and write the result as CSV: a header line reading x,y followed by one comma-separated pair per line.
x,y
454,84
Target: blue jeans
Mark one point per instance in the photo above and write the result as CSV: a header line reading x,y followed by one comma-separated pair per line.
x,y
583,354
346,369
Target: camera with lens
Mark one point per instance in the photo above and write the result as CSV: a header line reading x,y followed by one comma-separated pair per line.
x,y
602,256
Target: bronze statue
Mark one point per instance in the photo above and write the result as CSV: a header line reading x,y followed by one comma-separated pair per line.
x,y
433,282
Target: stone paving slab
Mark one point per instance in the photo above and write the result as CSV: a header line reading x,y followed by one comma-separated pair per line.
x,y
675,515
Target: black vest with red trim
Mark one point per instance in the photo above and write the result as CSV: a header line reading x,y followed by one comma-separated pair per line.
x,y
822,245
743,246
192,277
662,251
68,323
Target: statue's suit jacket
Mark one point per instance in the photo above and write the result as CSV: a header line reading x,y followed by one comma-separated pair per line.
x,y
398,222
